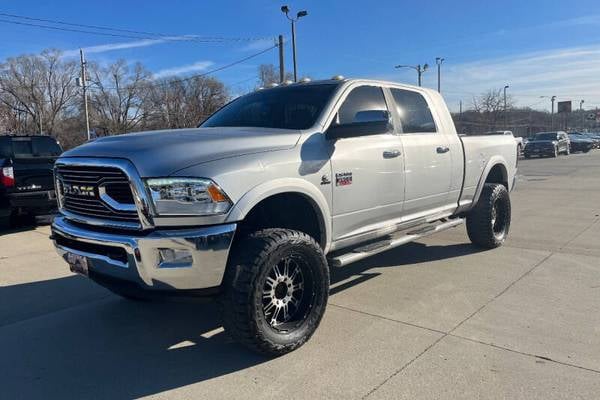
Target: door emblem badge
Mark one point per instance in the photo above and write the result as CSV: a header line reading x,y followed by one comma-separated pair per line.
x,y
325,180
343,179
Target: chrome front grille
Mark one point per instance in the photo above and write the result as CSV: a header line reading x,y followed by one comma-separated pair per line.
x,y
97,192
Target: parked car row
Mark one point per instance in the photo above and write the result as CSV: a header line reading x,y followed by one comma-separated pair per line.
x,y
551,144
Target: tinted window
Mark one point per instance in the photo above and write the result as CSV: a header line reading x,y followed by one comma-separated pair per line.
x,y
413,111
5,148
22,147
45,147
545,136
290,107
360,104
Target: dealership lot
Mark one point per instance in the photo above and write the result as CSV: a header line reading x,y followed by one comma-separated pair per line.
x,y
433,319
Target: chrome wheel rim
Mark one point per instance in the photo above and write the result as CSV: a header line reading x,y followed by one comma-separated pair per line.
x,y
498,220
286,293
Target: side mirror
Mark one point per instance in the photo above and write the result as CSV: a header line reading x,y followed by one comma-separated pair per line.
x,y
370,122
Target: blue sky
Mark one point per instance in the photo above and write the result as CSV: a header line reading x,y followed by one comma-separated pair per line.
x,y
539,48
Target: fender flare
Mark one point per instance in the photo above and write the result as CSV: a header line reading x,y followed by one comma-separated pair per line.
x,y
493,161
286,185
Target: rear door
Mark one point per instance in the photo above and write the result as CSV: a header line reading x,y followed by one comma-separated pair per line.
x,y
427,155
33,161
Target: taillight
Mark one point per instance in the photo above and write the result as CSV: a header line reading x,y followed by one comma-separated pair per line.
x,y
7,177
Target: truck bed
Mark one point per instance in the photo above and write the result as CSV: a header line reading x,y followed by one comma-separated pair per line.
x,y
479,152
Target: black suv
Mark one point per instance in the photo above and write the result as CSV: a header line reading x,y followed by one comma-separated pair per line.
x,y
26,182
548,144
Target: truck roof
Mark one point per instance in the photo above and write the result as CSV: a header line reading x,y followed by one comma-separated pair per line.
x,y
342,80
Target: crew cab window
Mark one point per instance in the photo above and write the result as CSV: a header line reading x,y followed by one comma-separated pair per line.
x,y
360,103
413,111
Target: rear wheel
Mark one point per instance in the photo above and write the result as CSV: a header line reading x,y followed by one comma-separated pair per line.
x,y
276,290
488,222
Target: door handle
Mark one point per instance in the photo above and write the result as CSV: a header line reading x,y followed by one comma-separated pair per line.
x,y
442,150
391,153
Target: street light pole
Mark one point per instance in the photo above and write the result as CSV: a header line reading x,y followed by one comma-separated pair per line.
x,y
552,99
419,68
300,14
582,114
439,61
505,115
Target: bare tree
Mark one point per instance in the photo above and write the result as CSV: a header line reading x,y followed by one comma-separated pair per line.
x,y
490,107
268,74
176,103
117,96
40,86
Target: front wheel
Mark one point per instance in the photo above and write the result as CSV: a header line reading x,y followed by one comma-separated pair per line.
x,y
489,221
276,290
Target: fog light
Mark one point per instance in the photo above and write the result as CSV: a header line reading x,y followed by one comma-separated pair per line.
x,y
174,258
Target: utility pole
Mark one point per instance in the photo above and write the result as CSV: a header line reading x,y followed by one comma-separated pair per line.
x,y
505,114
300,14
439,61
419,68
83,84
460,110
281,60
552,99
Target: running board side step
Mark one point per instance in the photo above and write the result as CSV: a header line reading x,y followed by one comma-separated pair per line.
x,y
387,244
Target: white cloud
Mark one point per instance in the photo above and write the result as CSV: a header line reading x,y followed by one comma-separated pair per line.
x,y
568,73
259,44
103,48
183,69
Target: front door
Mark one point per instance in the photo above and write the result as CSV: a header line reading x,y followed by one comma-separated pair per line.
x,y
368,178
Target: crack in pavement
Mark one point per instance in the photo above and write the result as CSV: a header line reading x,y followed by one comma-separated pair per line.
x,y
458,325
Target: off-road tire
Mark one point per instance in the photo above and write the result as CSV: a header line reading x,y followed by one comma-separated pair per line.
x,y
483,229
251,259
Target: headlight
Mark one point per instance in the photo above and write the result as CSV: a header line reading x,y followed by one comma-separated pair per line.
x,y
187,196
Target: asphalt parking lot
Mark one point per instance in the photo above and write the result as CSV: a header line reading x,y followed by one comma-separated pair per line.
x,y
437,319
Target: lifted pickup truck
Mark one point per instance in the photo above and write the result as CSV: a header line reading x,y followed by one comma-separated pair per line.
x,y
258,202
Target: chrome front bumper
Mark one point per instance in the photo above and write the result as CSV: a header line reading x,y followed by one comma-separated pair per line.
x,y
134,257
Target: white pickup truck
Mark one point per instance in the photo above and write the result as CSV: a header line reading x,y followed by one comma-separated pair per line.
x,y
256,204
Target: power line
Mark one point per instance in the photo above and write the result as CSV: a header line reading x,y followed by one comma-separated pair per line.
x,y
234,63
126,33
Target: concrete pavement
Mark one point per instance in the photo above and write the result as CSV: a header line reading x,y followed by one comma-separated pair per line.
x,y
437,319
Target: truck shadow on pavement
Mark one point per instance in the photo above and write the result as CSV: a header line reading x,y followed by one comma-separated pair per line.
x,y
68,338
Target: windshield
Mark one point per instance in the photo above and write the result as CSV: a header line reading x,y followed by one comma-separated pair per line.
x,y
545,136
288,107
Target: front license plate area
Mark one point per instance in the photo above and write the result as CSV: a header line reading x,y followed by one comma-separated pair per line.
x,y
78,264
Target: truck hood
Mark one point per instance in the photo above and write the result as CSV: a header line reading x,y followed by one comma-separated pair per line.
x,y
161,153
